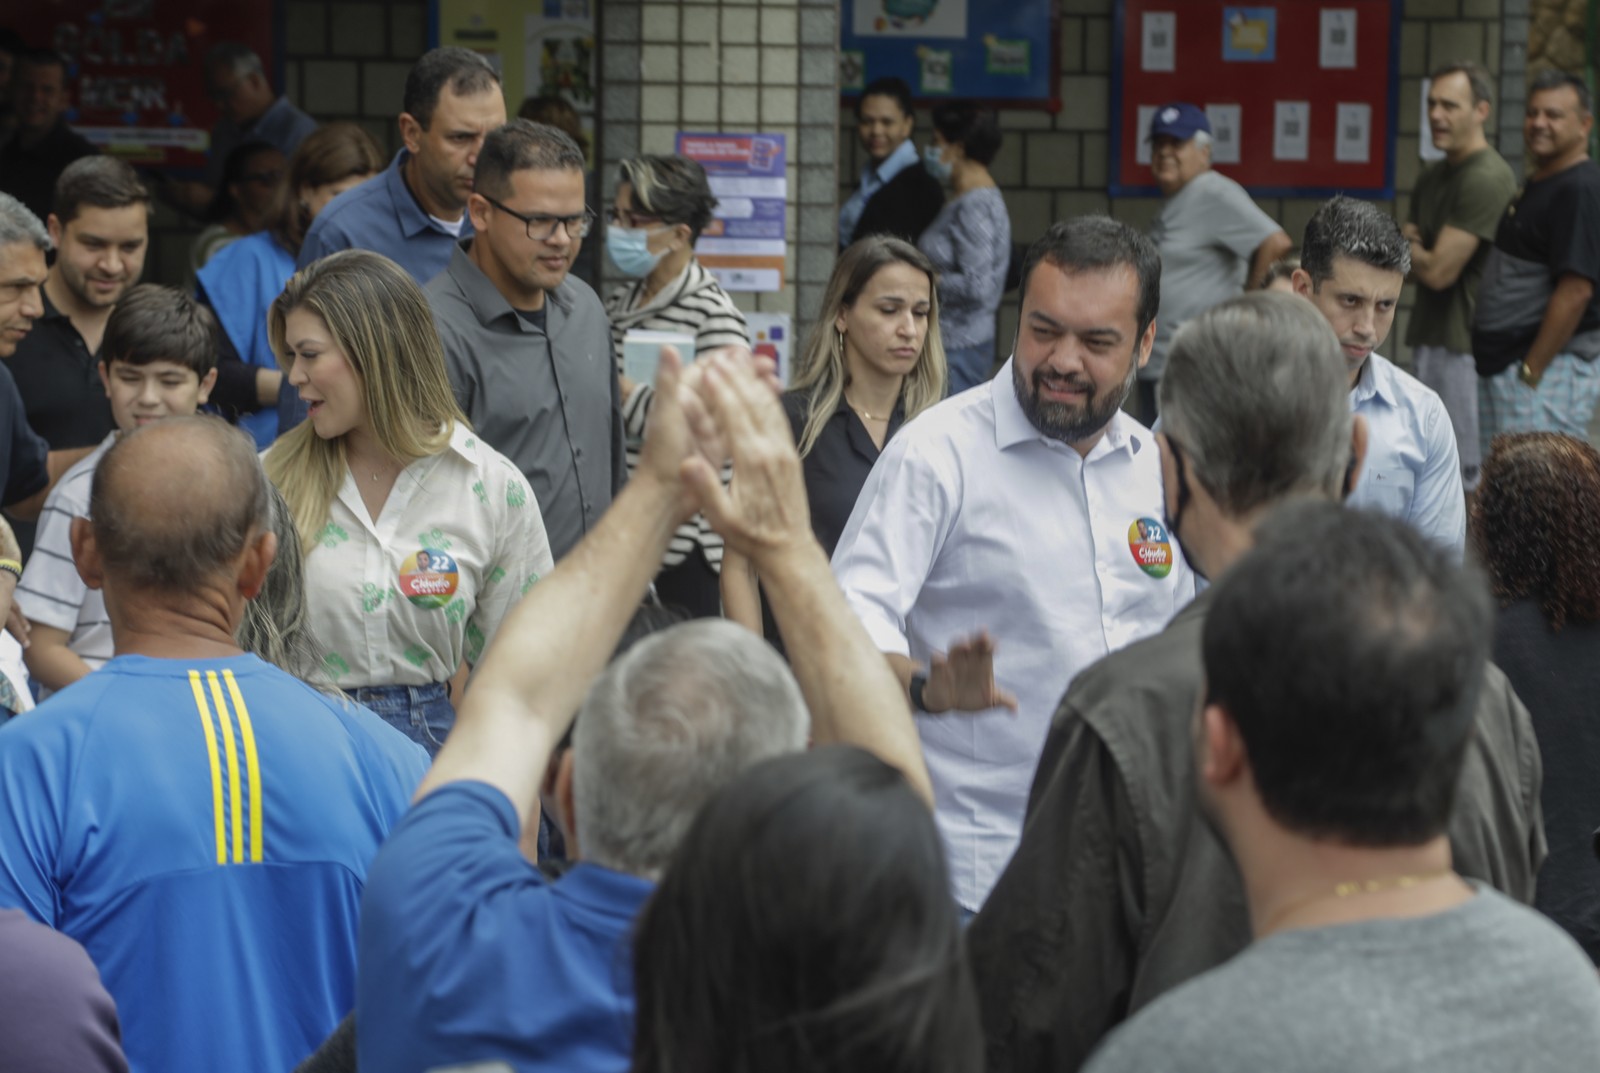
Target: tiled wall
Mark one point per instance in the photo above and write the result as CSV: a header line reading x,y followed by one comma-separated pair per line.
x,y
733,65
1052,167
343,61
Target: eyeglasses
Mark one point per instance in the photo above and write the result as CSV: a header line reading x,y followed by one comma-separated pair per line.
x,y
542,227
631,220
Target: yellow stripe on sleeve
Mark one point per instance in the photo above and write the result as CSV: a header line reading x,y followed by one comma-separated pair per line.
x,y
233,766
216,769
251,763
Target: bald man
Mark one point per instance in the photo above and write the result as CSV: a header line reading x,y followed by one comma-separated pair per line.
x,y
199,820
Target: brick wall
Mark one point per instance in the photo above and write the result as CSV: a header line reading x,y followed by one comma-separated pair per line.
x,y
732,65
1052,167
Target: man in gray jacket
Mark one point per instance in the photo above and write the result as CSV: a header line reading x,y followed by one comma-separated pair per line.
x,y
1120,890
528,347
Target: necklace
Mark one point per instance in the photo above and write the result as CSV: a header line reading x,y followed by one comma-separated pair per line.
x,y
1352,887
864,415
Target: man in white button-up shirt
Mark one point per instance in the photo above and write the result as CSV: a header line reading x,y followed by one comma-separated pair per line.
x,y
1353,263
1013,535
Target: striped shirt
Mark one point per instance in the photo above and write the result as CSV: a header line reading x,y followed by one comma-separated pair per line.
x,y
51,593
694,304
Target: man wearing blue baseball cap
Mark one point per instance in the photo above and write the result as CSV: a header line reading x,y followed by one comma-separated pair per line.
x,y
1213,239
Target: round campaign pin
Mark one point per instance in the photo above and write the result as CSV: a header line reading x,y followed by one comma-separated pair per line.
x,y
429,578
1151,548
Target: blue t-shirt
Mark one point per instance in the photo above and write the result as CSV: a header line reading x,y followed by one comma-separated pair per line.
x,y
241,281
468,954
203,827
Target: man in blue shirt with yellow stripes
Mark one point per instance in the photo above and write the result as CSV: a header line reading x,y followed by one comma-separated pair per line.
x,y
199,820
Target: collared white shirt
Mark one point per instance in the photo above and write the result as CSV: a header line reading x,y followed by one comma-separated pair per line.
x,y
1412,470
974,520
51,593
873,179
382,616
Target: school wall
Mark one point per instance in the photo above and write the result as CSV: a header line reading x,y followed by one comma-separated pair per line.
x,y
1055,166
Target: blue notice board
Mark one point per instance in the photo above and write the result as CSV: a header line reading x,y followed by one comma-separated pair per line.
x,y
979,50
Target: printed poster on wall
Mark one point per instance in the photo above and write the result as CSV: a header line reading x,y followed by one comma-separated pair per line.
x,y
746,243
542,48
910,18
136,80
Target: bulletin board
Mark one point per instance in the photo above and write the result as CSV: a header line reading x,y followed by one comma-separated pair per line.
x,y
136,72
1302,95
996,52
538,47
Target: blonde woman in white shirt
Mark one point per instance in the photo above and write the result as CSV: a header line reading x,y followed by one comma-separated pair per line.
x,y
419,537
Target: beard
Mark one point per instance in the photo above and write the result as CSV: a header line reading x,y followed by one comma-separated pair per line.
x,y
1069,422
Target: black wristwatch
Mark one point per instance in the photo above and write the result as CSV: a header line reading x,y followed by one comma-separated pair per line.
x,y
919,682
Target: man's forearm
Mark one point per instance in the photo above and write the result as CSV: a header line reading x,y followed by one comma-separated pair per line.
x,y
551,646
853,694
1561,319
1271,250
52,663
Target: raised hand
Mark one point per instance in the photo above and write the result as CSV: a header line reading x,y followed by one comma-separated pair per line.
x,y
962,679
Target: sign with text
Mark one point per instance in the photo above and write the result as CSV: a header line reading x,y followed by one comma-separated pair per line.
x,y
746,243
136,68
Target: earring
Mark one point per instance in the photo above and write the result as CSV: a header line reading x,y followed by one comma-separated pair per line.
x,y
838,341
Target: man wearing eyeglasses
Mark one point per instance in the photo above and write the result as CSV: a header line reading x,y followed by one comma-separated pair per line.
x,y
527,346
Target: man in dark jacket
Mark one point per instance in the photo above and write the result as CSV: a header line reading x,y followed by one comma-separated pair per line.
x,y
1120,890
897,196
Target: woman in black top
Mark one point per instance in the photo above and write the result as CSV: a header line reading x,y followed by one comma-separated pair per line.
x,y
1533,524
873,362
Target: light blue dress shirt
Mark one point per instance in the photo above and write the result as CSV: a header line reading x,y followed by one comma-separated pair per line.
x,y
382,215
873,180
1412,470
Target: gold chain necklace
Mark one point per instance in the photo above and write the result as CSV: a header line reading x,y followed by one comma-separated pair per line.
x,y
864,415
1352,887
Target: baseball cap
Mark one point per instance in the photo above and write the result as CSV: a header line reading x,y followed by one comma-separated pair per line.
x,y
1178,120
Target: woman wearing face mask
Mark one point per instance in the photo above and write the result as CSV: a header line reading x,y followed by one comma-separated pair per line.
x,y
662,205
969,242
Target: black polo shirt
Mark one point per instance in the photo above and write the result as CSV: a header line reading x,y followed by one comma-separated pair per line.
x,y
29,175
60,388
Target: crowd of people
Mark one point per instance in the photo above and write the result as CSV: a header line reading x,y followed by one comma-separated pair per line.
x,y
1180,684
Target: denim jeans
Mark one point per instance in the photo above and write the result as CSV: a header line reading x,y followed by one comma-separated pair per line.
x,y
422,713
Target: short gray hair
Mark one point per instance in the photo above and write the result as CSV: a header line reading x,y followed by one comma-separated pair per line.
x,y
1202,140
666,726
1256,397
18,224
239,58
672,188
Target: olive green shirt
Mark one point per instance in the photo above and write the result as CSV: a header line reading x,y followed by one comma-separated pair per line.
x,y
1470,196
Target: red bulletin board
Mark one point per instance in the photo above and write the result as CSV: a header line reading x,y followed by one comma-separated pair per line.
x,y
135,74
1266,60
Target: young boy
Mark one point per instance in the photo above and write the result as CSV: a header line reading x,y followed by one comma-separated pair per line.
x,y
158,359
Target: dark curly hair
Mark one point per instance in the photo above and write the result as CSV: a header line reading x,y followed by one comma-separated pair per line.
x,y
1534,520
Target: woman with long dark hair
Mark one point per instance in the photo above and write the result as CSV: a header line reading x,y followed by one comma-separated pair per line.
x,y
805,926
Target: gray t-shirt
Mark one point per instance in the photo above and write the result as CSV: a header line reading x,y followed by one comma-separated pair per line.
x,y
1486,987
1207,232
